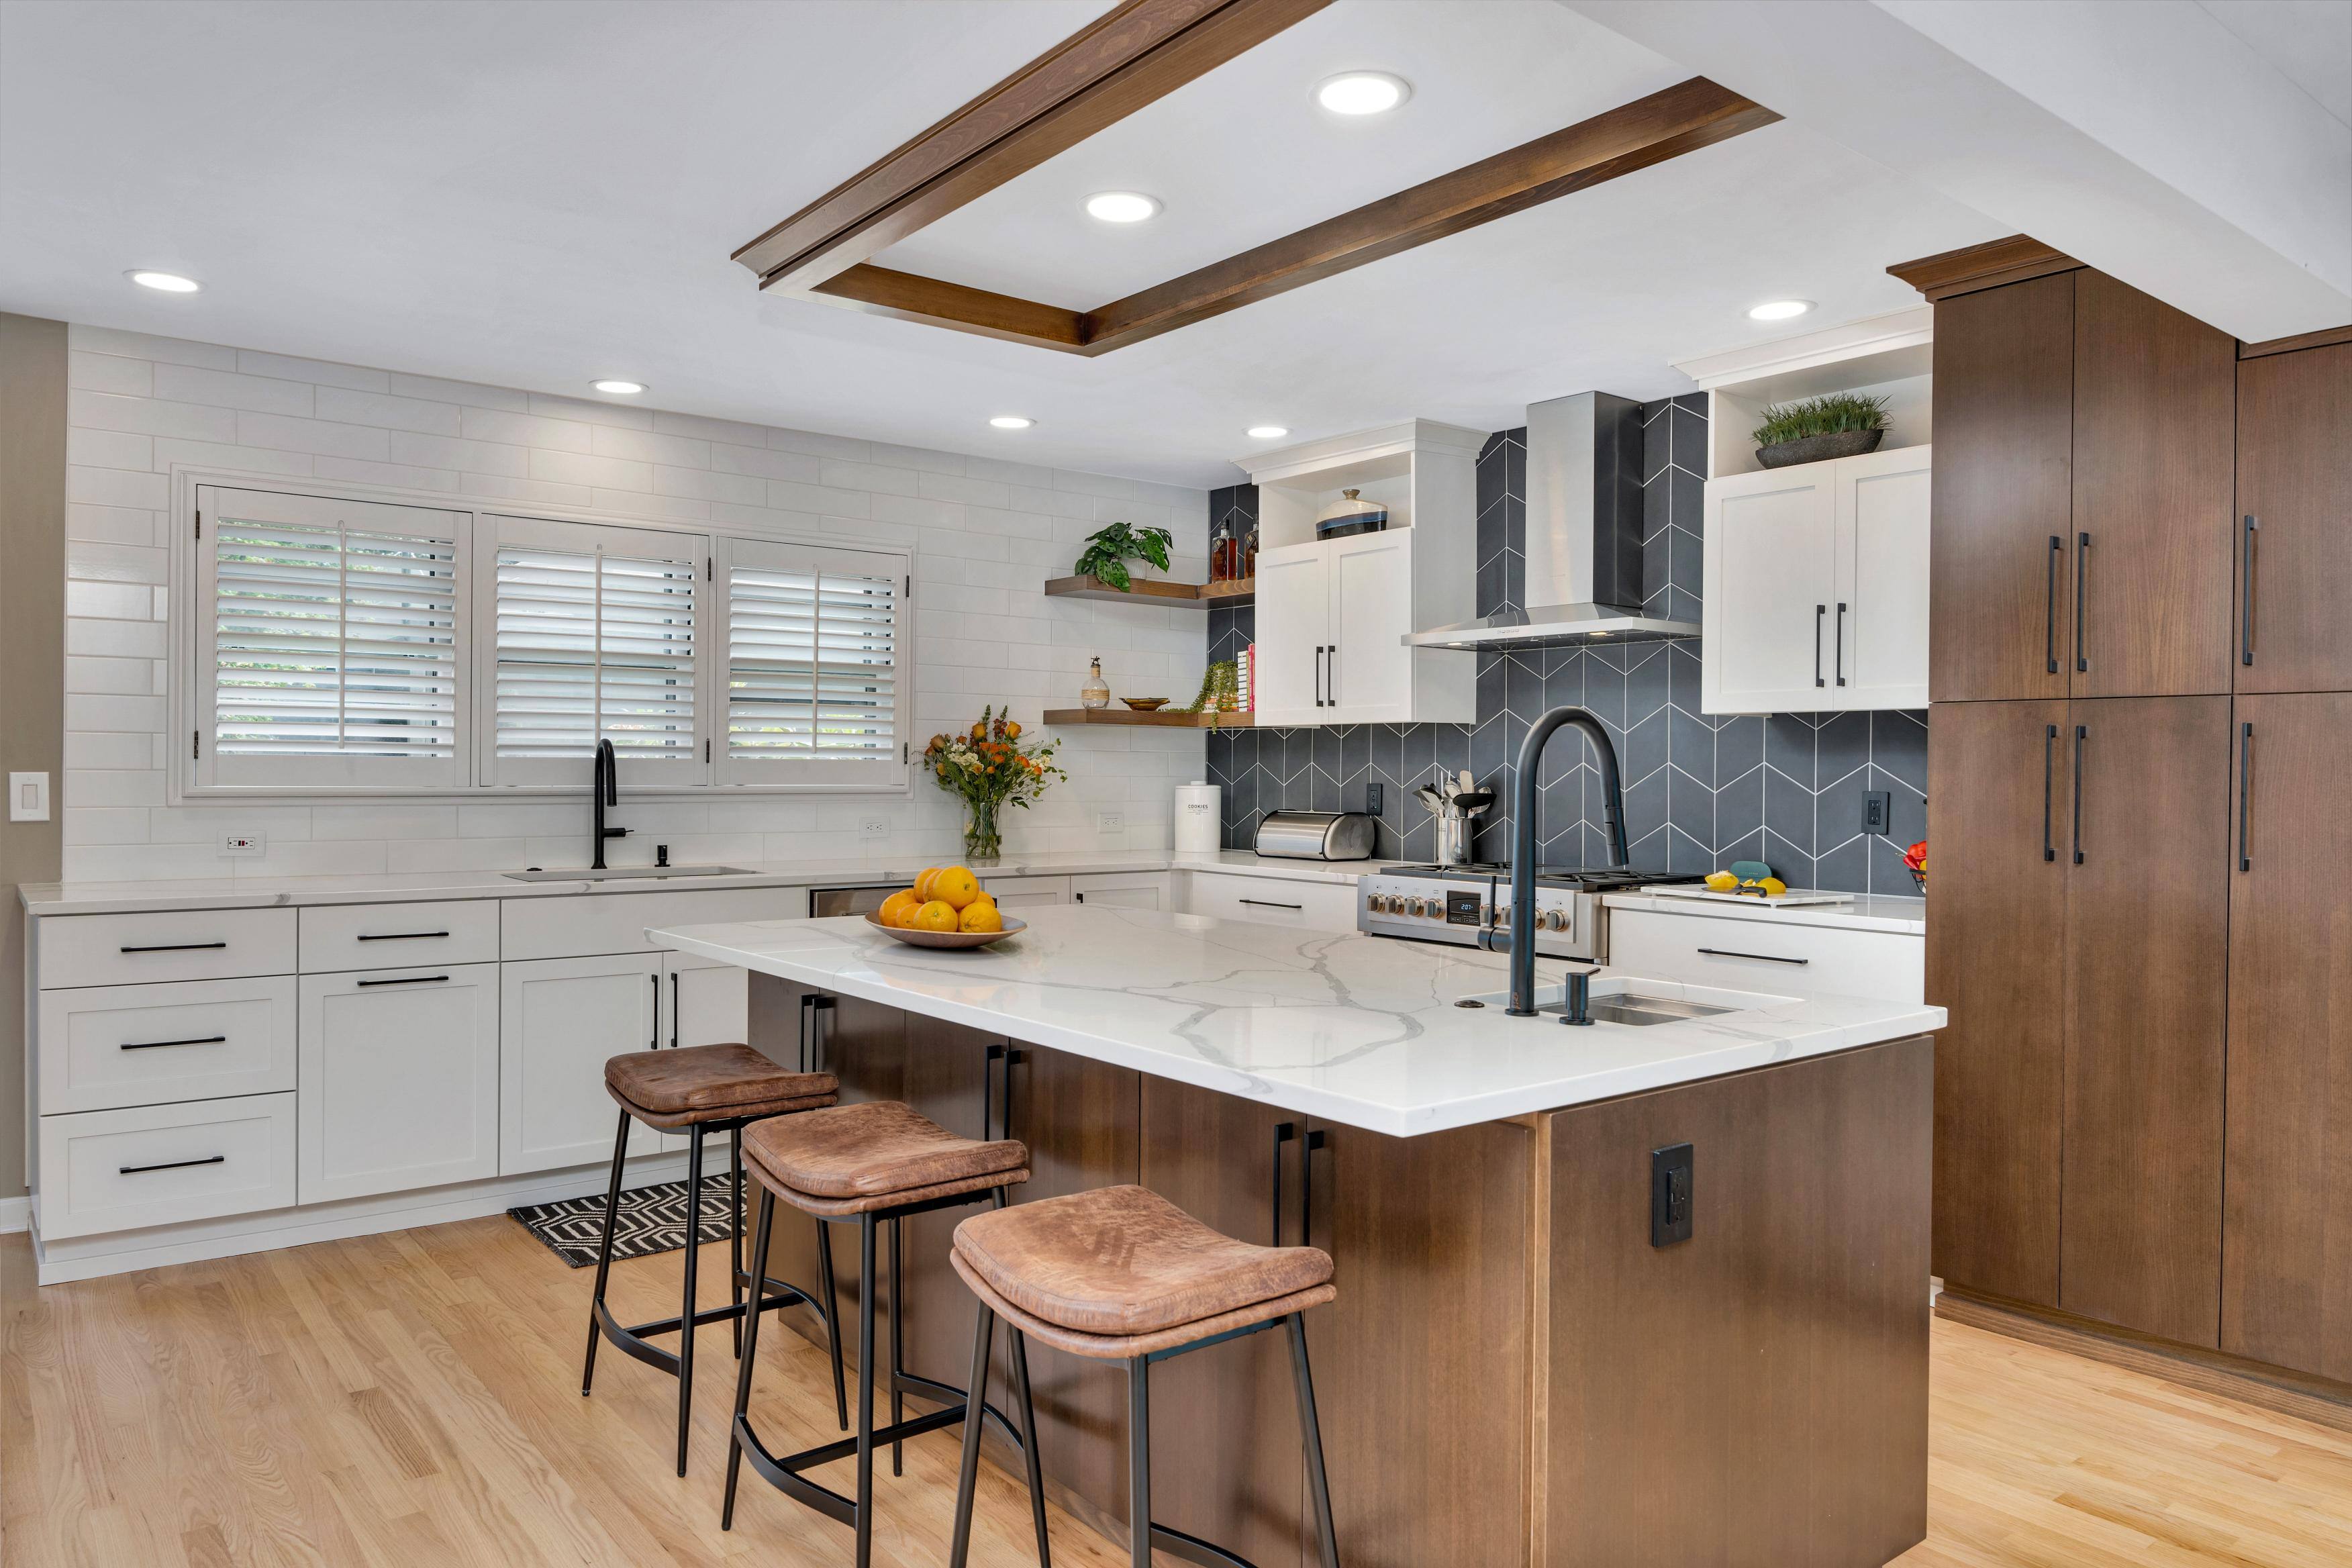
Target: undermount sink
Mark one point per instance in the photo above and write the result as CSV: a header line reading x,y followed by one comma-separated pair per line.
x,y
1632,1008
627,874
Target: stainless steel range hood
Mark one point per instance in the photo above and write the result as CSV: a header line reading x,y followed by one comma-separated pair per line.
x,y
1584,536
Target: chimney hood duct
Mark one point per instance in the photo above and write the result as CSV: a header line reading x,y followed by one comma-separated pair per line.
x,y
1584,536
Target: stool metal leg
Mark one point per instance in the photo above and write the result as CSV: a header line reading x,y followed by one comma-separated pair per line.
x,y
898,1346
686,1313
751,1359
865,1390
983,1338
1138,1459
604,1252
1319,1485
1028,1440
735,1235
825,1282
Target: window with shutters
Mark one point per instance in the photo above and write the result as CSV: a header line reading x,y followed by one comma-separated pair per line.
x,y
330,643
813,686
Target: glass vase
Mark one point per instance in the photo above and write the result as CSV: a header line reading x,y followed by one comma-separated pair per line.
x,y
981,838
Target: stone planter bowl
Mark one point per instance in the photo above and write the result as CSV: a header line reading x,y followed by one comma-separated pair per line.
x,y
1820,449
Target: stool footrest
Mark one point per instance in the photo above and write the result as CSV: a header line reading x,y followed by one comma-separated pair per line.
x,y
631,1339
1192,1548
783,1472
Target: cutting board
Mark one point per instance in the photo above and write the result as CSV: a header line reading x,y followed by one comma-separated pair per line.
x,y
1790,899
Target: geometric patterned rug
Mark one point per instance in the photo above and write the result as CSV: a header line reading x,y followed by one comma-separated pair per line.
x,y
652,1220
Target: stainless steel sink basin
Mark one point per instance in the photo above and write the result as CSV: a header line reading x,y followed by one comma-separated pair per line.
x,y
627,874
1630,1007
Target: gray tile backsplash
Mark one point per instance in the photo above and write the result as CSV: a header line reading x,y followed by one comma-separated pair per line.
x,y
1700,792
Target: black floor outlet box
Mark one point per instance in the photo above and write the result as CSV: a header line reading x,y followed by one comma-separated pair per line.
x,y
1670,1194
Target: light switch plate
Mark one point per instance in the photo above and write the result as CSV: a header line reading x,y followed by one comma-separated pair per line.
x,y
242,845
29,797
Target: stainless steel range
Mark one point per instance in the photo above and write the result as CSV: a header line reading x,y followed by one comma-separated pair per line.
x,y
1451,903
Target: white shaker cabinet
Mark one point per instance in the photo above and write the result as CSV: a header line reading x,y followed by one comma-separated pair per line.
x,y
560,1020
399,1085
1294,616
1331,622
1816,590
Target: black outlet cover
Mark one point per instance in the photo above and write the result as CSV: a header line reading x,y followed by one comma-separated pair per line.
x,y
1878,811
1670,1194
1374,796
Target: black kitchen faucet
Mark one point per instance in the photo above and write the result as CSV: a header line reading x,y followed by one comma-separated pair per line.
x,y
605,790
1519,941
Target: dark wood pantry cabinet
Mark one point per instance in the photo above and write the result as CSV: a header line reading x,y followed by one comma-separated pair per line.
x,y
2294,521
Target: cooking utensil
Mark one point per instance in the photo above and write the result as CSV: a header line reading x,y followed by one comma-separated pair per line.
x,y
1431,799
1474,802
1466,785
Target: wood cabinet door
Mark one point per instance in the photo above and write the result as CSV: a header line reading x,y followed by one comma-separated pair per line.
x,y
1423,1367
1770,555
953,1075
2148,917
399,1085
1368,674
1225,1447
1997,912
2294,428
2155,449
1293,609
2002,492
1878,643
2286,1276
560,1019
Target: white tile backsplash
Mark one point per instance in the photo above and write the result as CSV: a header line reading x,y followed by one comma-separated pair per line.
x,y
986,533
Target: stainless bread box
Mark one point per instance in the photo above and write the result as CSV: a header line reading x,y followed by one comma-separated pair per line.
x,y
1315,835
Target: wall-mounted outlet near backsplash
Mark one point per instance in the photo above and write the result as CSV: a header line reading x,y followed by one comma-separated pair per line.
x,y
1701,791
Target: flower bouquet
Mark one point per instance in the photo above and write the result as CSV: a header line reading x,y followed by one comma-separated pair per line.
x,y
991,769
1915,860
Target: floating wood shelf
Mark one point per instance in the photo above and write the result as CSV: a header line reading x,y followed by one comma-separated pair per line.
x,y
1167,718
1241,591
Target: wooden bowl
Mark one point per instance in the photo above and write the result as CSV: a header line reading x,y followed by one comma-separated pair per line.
x,y
950,938
1145,704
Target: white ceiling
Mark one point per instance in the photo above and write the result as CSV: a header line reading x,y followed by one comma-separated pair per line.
x,y
537,194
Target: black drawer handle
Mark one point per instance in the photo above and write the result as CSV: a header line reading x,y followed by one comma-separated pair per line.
x,y
2050,607
1818,611
1841,645
1270,904
159,1045
2245,799
408,980
2246,592
172,1165
2082,577
176,947
1758,957
399,935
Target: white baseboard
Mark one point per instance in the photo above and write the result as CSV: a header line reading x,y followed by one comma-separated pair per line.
x,y
15,1214
94,1256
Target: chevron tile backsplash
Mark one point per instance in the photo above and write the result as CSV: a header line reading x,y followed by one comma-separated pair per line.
x,y
1700,792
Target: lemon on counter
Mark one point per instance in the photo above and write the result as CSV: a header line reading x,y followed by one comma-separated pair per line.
x,y
1773,887
1721,881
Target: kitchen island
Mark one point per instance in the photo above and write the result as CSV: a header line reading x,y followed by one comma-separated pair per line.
x,y
1513,1374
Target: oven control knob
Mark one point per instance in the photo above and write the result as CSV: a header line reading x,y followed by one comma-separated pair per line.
x,y
1418,908
1375,903
1556,919
1502,914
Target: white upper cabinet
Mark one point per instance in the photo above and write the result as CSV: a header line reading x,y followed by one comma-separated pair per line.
x,y
1816,592
1332,615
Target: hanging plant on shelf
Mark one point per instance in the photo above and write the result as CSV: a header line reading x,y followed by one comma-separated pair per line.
x,y
1842,425
1109,550
990,769
1220,691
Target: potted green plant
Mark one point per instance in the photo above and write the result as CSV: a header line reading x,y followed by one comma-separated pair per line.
x,y
1109,550
991,769
1842,425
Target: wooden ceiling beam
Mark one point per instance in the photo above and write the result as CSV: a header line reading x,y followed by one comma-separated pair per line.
x,y
1131,56
905,296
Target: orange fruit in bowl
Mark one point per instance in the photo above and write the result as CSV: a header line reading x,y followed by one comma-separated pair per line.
x,y
980,915
956,886
896,908
922,888
934,916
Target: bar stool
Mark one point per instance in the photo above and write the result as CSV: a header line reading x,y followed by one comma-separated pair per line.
x,y
704,1089
875,1163
1122,1274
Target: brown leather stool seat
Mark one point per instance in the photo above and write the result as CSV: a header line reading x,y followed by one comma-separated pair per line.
x,y
1122,1272
689,1085
854,1159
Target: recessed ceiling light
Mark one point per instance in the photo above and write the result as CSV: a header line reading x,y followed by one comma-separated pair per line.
x,y
619,388
1362,92
1269,432
165,282
1012,422
1780,310
1121,206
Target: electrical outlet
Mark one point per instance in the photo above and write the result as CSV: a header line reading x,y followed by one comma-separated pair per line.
x,y
1375,796
1670,1194
1878,811
874,827
242,845
1111,822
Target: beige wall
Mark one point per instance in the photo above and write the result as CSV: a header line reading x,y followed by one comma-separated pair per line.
x,y
32,666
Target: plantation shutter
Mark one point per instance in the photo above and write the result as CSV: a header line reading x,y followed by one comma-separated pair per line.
x,y
815,692
328,643
595,636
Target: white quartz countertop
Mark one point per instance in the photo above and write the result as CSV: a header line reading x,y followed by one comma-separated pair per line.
x,y
264,892
1362,1029
1865,912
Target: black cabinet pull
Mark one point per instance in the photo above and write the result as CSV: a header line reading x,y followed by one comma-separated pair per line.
x,y
1818,611
654,1042
1319,651
2049,746
2246,591
408,980
177,947
989,1058
673,1011
1269,904
171,1165
820,1037
398,935
808,1009
2245,787
1841,645
2050,607
1331,676
159,1045
2082,575
2081,734
1314,1145
1283,1132
1760,957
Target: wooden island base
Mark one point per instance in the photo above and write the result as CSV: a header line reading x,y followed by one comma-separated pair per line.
x,y
1512,1373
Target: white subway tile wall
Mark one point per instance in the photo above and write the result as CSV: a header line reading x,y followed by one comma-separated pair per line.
x,y
986,533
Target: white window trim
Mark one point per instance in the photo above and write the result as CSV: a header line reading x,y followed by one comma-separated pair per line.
x,y
188,692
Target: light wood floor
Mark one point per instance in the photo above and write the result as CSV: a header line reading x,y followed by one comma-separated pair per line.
x,y
412,1400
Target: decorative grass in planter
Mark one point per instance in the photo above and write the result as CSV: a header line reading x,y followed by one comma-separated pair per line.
x,y
1842,425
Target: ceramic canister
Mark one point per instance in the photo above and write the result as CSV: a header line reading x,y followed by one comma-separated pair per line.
x,y
1200,818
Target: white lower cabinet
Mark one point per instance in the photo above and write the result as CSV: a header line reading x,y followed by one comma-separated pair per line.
x,y
1268,900
1745,953
1126,891
1027,893
166,1164
399,1083
104,1046
560,1020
